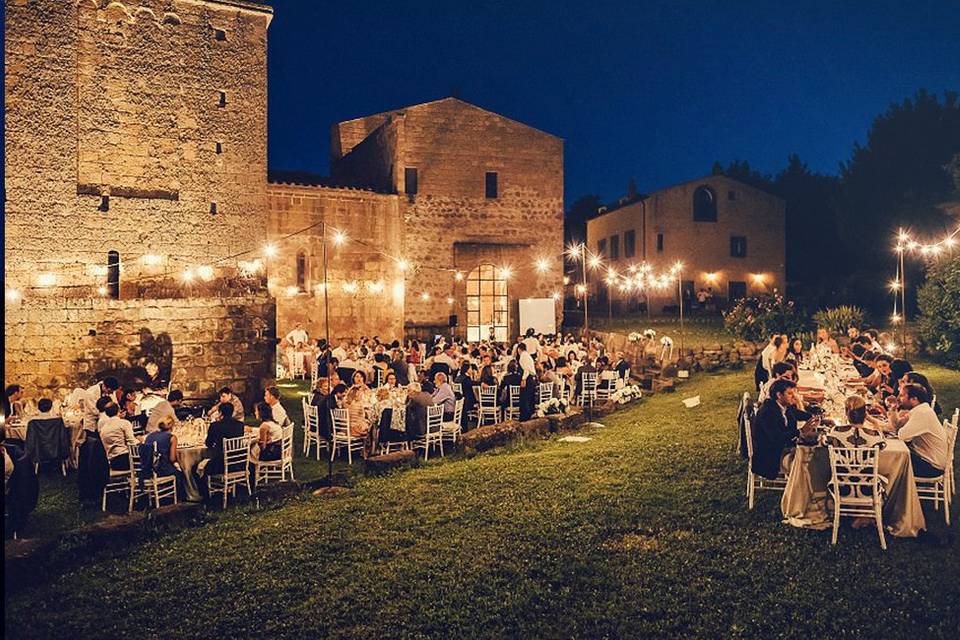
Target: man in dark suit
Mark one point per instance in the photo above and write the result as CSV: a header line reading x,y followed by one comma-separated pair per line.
x,y
586,367
775,428
512,379
417,403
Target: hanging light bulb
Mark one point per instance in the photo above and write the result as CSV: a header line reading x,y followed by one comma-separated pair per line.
x,y
270,250
12,295
543,265
205,272
339,237
458,276
402,264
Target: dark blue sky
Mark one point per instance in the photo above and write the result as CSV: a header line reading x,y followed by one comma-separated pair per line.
x,y
654,91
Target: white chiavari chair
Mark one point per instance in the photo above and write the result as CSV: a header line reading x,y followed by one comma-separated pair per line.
x,y
855,486
588,389
487,408
512,412
340,421
267,470
754,481
160,487
311,429
434,433
236,452
544,392
451,430
121,482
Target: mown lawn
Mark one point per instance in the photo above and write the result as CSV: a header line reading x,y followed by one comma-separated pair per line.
x,y
643,531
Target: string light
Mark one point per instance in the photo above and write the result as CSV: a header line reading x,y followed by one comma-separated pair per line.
x,y
506,273
449,300
948,242
542,265
458,276
102,290
594,262
566,280
46,280
187,275
339,237
12,295
556,295
270,250
292,291
402,264
424,296
205,272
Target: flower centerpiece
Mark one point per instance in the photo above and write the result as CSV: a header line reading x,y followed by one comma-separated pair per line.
x,y
626,394
634,337
666,341
552,407
649,334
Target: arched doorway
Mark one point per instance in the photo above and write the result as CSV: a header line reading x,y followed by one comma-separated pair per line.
x,y
487,304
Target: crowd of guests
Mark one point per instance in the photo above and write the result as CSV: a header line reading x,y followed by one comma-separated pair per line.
x,y
904,404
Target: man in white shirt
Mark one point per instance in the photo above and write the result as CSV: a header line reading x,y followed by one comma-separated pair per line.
x,y
446,357
528,382
271,396
89,401
923,432
163,409
116,434
298,336
531,343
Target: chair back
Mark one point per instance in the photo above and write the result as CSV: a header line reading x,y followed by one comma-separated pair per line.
x,y
286,444
434,418
458,388
744,423
544,392
514,396
340,419
488,397
235,453
311,417
458,412
854,473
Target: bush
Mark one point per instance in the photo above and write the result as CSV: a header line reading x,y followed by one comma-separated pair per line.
x,y
758,318
939,300
837,320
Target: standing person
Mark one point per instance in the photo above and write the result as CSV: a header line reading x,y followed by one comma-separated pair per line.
x,y
298,336
528,381
89,401
271,396
165,409
531,343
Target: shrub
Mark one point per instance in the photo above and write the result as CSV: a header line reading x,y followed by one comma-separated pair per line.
x,y
939,300
838,319
757,318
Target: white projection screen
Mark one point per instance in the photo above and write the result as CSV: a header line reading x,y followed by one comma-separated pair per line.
x,y
539,313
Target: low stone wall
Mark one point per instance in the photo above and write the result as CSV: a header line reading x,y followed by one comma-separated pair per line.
x,y
708,357
202,343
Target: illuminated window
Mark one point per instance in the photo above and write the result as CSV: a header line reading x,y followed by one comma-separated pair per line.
x,y
486,304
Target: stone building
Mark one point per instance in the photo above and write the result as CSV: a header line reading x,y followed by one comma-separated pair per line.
x,y
454,204
140,220
729,236
135,153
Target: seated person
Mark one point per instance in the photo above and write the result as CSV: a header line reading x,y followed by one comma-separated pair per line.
x,y
860,431
164,409
166,443
417,403
116,434
443,395
511,379
229,397
879,380
781,370
331,401
12,399
775,430
921,430
271,396
226,426
270,434
585,367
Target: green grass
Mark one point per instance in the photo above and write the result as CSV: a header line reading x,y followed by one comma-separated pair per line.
x,y
643,531
696,331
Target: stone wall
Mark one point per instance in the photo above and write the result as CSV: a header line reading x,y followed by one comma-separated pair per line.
x,y
122,99
204,343
699,357
703,247
365,287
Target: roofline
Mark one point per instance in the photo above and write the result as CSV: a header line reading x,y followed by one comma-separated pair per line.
x,y
710,176
422,104
242,5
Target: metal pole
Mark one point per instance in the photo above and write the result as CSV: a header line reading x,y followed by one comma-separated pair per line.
x,y
680,291
326,304
903,305
586,296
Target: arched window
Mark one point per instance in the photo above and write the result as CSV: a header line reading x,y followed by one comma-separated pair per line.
x,y
301,271
704,205
486,304
113,274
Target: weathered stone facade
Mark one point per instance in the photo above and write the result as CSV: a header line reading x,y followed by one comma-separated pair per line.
x,y
451,224
364,294
666,232
118,139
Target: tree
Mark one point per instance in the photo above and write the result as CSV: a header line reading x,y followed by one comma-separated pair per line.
x,y
742,171
939,301
575,218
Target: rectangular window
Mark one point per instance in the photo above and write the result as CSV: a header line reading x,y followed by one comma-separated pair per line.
x,y
104,203
737,290
223,99
615,247
602,248
629,243
219,148
738,246
491,184
213,208
410,181
659,242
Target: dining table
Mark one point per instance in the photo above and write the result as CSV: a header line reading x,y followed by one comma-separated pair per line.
x,y
806,501
16,429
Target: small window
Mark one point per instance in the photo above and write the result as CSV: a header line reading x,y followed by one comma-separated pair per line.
x,y
219,148
301,271
113,274
491,184
704,205
213,208
223,99
219,35
410,181
659,242
602,248
738,247
615,247
731,195
104,204
629,243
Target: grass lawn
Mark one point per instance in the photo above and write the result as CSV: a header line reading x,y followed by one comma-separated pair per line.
x,y
641,531
696,331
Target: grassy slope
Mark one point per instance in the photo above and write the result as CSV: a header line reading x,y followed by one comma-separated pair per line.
x,y
641,531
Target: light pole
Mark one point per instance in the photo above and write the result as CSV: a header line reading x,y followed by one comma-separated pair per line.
x,y
903,304
586,295
326,305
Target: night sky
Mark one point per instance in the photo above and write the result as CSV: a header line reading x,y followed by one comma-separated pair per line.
x,y
650,91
